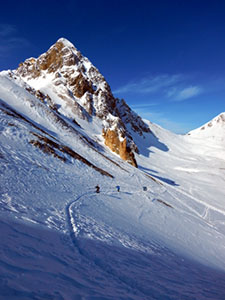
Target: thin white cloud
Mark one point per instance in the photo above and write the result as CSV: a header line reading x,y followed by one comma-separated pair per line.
x,y
175,87
181,94
143,105
189,92
150,85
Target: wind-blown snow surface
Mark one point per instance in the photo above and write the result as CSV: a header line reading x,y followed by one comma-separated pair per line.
x,y
61,240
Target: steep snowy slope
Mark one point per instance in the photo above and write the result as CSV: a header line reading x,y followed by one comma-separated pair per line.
x,y
162,236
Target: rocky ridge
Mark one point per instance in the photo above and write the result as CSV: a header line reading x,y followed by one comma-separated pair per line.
x,y
68,83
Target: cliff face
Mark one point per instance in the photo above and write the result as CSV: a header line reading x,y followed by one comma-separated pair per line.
x,y
68,83
119,146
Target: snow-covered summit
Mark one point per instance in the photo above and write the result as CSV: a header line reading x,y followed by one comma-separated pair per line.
x,y
66,43
68,83
212,130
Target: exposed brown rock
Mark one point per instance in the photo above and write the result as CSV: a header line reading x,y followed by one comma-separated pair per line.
x,y
80,86
130,117
164,203
112,140
53,59
118,146
29,68
51,147
40,96
47,149
106,105
127,154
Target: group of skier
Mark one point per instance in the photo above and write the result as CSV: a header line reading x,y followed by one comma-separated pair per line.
x,y
117,187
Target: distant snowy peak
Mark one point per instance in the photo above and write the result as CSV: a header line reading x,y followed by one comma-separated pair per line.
x,y
68,83
214,129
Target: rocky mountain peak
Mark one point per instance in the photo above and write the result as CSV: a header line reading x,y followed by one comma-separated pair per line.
x,y
61,58
77,89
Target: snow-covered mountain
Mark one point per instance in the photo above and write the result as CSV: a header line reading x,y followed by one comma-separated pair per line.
x,y
153,232
68,83
213,130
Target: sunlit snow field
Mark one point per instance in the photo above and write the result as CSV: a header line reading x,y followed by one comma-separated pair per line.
x,y
62,240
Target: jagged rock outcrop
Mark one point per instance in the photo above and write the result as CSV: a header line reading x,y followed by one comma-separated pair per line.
x,y
119,145
67,82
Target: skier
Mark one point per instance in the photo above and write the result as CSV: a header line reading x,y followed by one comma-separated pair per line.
x,y
118,188
97,188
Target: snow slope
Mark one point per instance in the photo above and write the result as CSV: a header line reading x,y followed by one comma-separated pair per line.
x,y
62,240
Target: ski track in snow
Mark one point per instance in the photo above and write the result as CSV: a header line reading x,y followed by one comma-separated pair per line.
x,y
205,207
74,233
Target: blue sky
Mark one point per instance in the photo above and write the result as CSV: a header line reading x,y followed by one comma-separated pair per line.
x,y
165,58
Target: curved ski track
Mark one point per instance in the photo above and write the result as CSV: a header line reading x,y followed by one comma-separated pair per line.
x,y
97,263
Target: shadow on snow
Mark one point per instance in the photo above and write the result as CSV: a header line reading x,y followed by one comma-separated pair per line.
x,y
150,141
152,173
36,263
